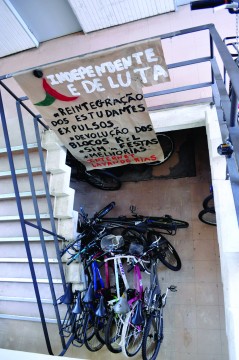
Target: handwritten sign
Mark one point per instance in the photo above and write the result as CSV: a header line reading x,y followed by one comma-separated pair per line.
x,y
95,103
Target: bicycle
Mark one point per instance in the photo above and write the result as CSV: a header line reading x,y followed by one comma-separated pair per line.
x,y
167,145
118,319
104,179
166,222
101,179
208,214
87,229
134,324
76,323
155,303
79,321
126,323
150,247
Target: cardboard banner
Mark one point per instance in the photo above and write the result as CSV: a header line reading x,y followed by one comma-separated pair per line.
x,y
95,104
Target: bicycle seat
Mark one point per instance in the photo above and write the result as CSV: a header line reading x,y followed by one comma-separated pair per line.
x,y
122,306
67,298
101,310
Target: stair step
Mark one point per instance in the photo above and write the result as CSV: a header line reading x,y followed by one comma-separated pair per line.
x,y
23,195
21,239
28,280
22,299
6,185
11,228
26,217
35,170
25,260
26,290
19,148
25,318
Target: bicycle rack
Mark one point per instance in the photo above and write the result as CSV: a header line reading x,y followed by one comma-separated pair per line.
x,y
226,110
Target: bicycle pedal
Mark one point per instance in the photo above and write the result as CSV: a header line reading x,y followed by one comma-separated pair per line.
x,y
173,288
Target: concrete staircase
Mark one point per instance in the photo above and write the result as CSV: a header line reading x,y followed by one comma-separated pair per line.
x,y
17,297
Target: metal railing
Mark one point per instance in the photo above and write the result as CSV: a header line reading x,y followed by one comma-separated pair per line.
x,y
227,115
25,223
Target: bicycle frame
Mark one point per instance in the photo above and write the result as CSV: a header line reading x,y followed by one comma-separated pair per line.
x,y
155,290
118,266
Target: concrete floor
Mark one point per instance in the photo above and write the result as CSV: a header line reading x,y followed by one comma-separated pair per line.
x,y
194,315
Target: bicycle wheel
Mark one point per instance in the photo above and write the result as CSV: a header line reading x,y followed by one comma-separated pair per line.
x,y
103,180
208,216
100,326
92,342
132,336
80,330
166,253
167,146
113,333
166,222
153,336
68,323
208,203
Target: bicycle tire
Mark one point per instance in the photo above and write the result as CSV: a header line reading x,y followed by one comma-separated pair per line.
x,y
166,253
113,333
100,326
208,216
208,202
80,330
68,322
167,146
152,338
166,222
103,180
92,343
132,336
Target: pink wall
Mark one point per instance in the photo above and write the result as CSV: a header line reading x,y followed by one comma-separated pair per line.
x,y
175,49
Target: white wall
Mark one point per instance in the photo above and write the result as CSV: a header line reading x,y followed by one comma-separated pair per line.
x,y
227,225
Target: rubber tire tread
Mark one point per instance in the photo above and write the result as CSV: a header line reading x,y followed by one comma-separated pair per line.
x,y
124,331
167,221
115,185
172,251
107,335
208,200
170,141
144,343
202,218
89,340
97,332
